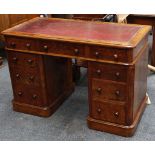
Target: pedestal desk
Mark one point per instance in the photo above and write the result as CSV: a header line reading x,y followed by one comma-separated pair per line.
x,y
39,56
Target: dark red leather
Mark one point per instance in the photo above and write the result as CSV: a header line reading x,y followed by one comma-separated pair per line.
x,y
81,30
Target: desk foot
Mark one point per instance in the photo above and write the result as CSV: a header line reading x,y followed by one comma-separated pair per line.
x,y
121,130
42,111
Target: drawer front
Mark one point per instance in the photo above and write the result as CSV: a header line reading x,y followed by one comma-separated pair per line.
x,y
35,97
27,95
64,48
22,44
109,54
25,77
108,90
108,71
108,112
23,60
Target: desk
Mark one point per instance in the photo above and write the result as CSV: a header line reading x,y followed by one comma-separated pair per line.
x,y
39,56
145,20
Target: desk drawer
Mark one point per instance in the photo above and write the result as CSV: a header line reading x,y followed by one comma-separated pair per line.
x,y
103,90
109,54
23,60
26,77
22,44
62,48
108,71
108,112
25,94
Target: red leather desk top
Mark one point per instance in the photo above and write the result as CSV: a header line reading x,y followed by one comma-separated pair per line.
x,y
78,30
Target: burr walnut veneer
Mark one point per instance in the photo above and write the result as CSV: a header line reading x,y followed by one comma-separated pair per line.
x,y
39,56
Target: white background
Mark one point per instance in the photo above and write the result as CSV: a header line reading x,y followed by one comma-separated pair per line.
x,y
77,6
73,7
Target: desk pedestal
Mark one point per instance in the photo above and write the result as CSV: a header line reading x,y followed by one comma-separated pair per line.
x,y
117,95
40,83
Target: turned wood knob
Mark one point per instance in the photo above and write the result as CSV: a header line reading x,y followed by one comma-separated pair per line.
x,y
28,45
117,92
115,56
31,78
117,74
30,61
116,114
99,90
13,45
34,96
99,110
76,51
97,54
98,71
45,47
15,59
17,75
20,93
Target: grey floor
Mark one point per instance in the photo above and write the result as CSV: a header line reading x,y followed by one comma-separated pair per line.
x,y
69,122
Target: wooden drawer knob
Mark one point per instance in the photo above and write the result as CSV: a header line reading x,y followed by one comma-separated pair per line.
x,y
31,78
17,76
76,51
117,74
99,110
30,61
98,71
20,93
28,45
99,90
45,47
115,56
13,45
116,114
97,54
34,96
117,92
14,59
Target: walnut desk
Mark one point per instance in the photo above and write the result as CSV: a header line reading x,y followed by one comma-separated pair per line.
x,y
39,55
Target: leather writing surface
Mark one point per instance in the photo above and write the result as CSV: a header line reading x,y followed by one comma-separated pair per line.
x,y
80,30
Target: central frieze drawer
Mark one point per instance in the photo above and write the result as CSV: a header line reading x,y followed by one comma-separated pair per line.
x,y
62,48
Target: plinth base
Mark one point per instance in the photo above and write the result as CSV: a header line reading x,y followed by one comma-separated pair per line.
x,y
42,111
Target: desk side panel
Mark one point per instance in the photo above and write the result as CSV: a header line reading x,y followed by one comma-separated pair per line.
x,y
140,80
